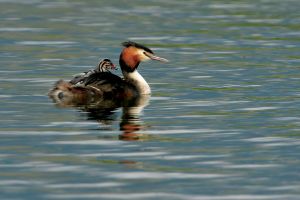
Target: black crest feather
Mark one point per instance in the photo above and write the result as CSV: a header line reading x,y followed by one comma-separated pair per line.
x,y
134,44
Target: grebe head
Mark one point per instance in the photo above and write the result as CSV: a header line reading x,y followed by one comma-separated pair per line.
x,y
105,65
134,53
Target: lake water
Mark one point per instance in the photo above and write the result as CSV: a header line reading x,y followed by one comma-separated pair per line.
x,y
222,122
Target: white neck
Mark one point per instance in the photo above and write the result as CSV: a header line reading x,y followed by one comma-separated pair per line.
x,y
138,81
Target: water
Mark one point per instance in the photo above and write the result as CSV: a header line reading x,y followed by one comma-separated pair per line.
x,y
222,123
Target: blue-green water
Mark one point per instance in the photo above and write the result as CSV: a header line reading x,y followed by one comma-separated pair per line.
x,y
222,123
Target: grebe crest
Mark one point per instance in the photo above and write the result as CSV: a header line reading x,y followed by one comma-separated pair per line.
x,y
130,58
134,53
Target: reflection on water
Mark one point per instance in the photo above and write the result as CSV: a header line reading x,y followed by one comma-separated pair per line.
x,y
103,111
131,123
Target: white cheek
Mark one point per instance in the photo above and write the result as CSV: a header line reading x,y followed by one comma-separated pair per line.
x,y
142,56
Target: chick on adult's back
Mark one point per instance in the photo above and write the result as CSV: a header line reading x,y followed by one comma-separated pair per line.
x,y
107,86
73,91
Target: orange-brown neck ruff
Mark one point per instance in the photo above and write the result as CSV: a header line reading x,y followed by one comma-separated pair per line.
x,y
129,59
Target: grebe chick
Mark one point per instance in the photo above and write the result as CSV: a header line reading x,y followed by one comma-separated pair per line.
x,y
104,65
105,86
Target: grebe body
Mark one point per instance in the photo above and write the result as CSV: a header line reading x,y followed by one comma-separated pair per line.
x,y
99,86
104,65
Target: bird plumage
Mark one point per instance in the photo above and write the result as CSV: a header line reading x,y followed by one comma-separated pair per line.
x,y
104,85
104,65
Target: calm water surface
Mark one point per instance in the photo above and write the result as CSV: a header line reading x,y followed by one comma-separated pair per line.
x,y
222,123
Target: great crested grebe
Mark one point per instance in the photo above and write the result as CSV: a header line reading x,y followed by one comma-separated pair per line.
x,y
108,86
71,92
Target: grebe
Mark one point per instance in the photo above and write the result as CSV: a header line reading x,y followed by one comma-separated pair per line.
x,y
101,86
104,65
71,92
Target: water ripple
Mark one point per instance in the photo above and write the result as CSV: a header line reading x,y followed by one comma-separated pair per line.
x,y
85,185
87,142
259,108
158,175
274,141
46,42
42,133
174,196
21,29
126,154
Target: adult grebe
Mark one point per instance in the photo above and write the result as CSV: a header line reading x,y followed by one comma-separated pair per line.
x,y
107,86
73,92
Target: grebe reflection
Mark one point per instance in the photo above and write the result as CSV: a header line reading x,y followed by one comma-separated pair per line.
x,y
131,125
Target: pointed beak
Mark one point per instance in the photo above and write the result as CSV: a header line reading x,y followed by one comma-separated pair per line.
x,y
153,57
